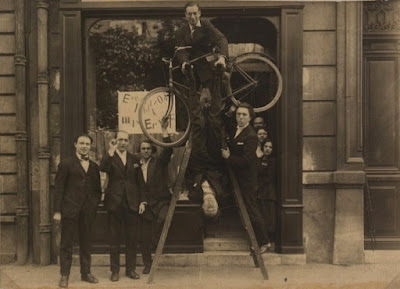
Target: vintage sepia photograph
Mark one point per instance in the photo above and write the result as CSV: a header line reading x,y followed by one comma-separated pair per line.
x,y
200,144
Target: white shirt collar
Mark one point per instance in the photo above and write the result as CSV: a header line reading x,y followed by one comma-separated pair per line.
x,y
122,155
80,157
143,161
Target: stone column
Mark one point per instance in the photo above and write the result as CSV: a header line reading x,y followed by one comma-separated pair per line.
x,y
21,138
349,179
44,150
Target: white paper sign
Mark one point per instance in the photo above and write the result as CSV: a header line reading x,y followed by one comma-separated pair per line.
x,y
128,112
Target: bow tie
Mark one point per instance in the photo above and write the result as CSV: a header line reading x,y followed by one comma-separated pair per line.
x,y
84,157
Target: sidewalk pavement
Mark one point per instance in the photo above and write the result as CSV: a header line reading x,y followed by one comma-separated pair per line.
x,y
309,276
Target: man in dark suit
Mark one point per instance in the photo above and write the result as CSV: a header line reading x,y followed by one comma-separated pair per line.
x,y
77,194
205,174
124,200
241,156
203,37
158,196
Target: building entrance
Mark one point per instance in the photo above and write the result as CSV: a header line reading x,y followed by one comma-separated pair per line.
x,y
124,56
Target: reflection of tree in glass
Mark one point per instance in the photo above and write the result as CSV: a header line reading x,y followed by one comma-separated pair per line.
x,y
128,60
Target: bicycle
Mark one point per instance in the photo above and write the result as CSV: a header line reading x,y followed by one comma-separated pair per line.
x,y
254,78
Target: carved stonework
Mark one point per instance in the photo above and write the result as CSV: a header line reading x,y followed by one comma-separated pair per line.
x,y
21,136
43,78
44,4
45,228
381,16
19,60
44,153
22,211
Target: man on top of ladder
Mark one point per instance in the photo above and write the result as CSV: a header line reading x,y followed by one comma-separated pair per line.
x,y
241,156
205,175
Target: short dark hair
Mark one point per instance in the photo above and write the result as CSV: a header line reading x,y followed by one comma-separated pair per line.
x,y
265,141
83,135
153,147
260,128
249,108
190,4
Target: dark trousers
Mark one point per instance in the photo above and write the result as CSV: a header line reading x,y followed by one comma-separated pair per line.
x,y
116,220
150,230
257,220
268,211
146,233
83,221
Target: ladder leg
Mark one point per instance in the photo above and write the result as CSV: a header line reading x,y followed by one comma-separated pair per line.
x,y
248,239
247,224
171,210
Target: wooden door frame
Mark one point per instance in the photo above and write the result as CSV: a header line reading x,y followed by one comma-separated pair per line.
x,y
290,146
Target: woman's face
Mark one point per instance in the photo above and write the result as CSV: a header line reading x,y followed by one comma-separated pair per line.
x,y
267,149
262,135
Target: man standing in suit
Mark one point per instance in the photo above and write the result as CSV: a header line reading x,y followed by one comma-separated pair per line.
x,y
124,200
77,194
158,196
241,156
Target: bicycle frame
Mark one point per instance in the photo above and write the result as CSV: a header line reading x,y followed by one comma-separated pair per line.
x,y
171,69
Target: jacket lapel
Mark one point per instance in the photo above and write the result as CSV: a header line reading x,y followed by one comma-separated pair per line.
x,y
187,33
119,161
78,166
150,170
243,133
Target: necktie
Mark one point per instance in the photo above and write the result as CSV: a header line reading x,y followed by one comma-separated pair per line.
x,y
193,28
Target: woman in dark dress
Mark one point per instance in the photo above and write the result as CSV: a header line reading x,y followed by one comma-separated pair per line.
x,y
267,193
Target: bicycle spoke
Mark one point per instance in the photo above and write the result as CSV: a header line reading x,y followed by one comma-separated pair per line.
x,y
158,104
255,79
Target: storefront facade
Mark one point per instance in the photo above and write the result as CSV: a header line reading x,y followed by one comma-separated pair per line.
x,y
49,89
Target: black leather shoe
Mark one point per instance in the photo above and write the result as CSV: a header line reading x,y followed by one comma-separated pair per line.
x,y
132,275
146,269
114,276
63,281
89,278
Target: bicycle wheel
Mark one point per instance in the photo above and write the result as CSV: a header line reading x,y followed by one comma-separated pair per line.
x,y
161,102
255,79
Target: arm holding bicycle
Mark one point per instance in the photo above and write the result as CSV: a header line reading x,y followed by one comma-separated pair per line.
x,y
216,40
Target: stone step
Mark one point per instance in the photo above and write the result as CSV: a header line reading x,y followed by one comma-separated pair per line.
x,y
226,244
208,258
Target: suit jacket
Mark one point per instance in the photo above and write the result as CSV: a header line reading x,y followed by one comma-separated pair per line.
x,y
122,180
266,178
156,188
204,39
243,159
76,189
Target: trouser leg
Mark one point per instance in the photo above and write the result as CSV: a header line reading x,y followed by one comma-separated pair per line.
x,y
85,229
145,241
114,226
131,237
159,223
256,218
67,234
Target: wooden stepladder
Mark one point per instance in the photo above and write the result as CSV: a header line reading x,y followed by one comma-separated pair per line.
x,y
258,260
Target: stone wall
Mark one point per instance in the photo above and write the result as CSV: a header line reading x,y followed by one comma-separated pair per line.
x,y
319,129
8,169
